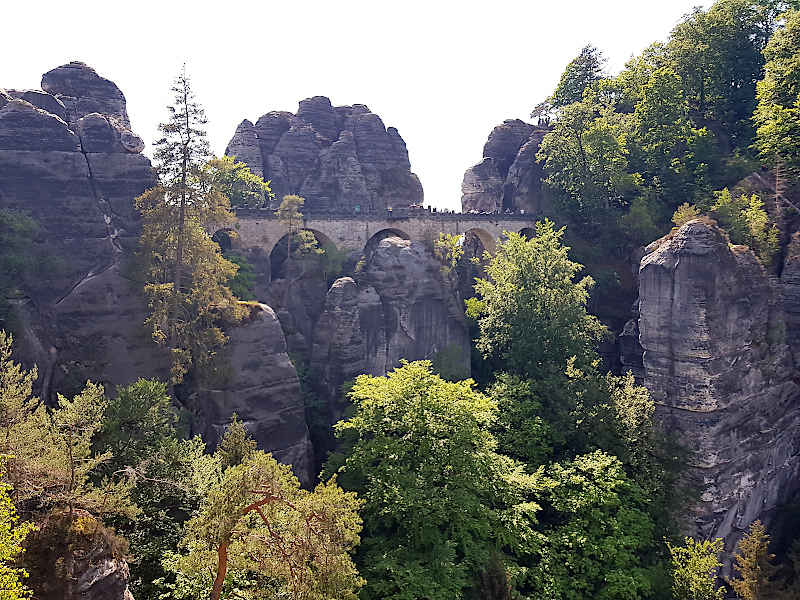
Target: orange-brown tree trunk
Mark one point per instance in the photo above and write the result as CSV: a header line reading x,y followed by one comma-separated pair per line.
x,y
222,569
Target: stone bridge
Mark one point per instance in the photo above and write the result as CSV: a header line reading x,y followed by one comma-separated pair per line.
x,y
259,227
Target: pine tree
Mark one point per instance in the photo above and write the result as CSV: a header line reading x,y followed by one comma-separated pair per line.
x,y
754,567
184,275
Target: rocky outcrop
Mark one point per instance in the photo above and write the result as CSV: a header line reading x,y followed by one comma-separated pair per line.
x,y
76,171
264,393
717,364
82,91
508,177
334,157
401,308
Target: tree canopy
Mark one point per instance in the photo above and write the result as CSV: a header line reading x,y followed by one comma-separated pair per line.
x,y
531,313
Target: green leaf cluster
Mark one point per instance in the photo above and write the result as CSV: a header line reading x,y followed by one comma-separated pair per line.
x,y
747,223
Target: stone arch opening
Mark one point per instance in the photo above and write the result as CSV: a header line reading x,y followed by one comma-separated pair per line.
x,y
280,251
475,236
227,239
376,239
528,233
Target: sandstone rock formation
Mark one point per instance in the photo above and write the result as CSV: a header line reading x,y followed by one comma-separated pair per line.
x,y
334,157
717,364
264,393
508,177
69,158
77,178
400,308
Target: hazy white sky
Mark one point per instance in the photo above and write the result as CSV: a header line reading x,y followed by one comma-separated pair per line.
x,y
443,73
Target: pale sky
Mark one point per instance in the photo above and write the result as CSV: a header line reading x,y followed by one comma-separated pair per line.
x,y
443,73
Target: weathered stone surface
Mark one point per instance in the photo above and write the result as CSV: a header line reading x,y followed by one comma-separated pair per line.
x,y
116,179
93,332
318,113
504,143
300,297
101,134
349,339
298,149
790,284
97,134
508,177
82,91
265,394
25,127
106,579
244,146
269,129
522,189
374,144
482,188
421,315
41,100
131,142
718,367
335,157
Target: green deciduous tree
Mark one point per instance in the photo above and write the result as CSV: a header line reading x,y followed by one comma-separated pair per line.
x,y
601,528
717,54
438,500
694,569
585,157
235,181
531,312
778,113
747,223
12,535
184,275
254,519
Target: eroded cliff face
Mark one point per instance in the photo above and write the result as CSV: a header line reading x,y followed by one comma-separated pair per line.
x,y
69,158
76,172
334,157
508,177
264,392
401,308
712,326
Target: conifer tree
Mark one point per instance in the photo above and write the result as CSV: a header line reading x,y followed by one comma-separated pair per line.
x,y
753,564
184,274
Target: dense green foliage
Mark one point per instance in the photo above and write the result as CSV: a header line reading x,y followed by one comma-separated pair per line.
x,y
531,313
237,183
694,568
12,535
256,522
422,454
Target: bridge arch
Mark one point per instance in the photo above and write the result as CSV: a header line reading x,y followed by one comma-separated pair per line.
x,y
381,235
227,239
279,251
484,238
528,233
